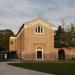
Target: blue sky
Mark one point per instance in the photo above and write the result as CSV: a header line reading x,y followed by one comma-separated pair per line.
x,y
15,12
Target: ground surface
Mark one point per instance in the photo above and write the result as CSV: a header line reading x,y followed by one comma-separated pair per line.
x,y
58,68
11,70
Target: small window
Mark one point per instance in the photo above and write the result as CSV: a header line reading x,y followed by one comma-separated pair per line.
x,y
39,29
11,42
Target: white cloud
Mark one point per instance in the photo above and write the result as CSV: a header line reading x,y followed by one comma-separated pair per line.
x,y
14,12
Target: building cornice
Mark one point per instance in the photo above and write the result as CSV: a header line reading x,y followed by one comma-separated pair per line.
x,y
26,24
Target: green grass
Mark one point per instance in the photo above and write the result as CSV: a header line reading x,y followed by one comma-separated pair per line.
x,y
54,68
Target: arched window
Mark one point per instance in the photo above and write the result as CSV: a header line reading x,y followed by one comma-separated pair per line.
x,y
61,54
39,29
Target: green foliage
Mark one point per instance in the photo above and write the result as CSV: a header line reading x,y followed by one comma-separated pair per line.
x,y
71,36
65,38
2,58
4,39
60,37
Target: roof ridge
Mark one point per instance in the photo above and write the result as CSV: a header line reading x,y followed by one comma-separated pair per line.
x,y
39,18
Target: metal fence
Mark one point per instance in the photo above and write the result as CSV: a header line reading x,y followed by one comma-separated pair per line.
x,y
53,57
66,57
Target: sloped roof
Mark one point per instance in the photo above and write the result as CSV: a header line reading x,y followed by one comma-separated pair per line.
x,y
33,20
39,18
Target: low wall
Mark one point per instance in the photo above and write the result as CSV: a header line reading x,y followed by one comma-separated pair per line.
x,y
69,53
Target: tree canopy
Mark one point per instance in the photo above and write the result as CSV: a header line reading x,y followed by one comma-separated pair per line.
x,y
4,39
65,38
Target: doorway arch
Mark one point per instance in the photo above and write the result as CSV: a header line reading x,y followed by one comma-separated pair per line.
x,y
61,54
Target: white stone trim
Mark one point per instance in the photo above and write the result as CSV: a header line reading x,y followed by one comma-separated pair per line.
x,y
12,37
48,26
30,23
42,54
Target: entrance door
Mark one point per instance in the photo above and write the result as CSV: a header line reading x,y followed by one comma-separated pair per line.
x,y
61,54
39,54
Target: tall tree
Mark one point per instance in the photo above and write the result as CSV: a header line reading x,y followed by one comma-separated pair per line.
x,y
4,39
60,37
71,36
65,38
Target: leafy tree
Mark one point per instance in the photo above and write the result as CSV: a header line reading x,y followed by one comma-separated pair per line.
x,y
4,39
71,36
58,37
65,38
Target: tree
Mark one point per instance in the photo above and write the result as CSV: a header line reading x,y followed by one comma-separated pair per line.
x,y
65,38
4,39
71,35
60,37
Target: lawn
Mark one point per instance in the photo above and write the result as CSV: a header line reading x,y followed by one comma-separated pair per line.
x,y
48,67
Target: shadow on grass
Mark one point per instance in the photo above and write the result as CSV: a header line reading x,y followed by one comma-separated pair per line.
x,y
48,67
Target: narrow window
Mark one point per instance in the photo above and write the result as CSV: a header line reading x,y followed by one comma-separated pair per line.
x,y
36,29
39,29
11,42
